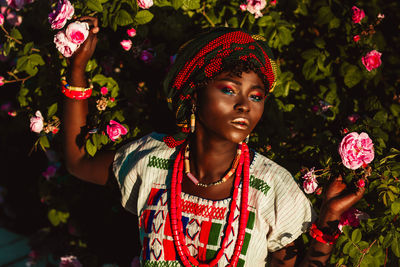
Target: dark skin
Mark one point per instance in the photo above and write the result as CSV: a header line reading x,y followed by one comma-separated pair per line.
x,y
228,109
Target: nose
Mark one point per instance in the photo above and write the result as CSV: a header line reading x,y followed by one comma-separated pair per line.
x,y
242,104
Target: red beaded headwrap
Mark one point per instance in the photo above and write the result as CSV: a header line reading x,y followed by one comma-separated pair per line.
x,y
204,57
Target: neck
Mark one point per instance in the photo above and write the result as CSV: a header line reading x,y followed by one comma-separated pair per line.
x,y
211,158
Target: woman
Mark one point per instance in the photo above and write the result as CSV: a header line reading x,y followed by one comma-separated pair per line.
x,y
203,198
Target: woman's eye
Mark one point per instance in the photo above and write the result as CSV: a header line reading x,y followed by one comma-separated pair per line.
x,y
256,98
228,91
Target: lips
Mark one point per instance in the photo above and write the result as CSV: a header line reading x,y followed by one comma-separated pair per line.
x,y
240,123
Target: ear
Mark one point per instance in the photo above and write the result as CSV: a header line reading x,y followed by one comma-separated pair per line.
x,y
195,99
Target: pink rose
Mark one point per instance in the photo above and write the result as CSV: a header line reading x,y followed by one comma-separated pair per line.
x,y
255,7
146,56
49,172
13,18
243,7
126,44
353,118
103,90
358,14
115,130
70,261
131,32
310,182
77,32
145,4
356,38
361,183
352,217
63,12
37,122
1,19
2,81
63,45
273,2
372,60
356,150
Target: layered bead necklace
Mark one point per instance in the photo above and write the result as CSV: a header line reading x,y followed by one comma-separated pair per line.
x,y
176,211
220,181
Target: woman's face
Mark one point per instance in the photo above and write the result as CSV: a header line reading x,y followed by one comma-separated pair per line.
x,y
230,106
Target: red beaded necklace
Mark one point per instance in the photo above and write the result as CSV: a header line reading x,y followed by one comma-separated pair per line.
x,y
176,211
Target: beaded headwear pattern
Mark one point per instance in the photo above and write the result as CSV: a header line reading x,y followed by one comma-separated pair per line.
x,y
203,58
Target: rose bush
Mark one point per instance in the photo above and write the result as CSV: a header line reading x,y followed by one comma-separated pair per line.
x,y
329,85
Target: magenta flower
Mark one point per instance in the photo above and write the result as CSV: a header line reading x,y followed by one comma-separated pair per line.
x,y
1,19
372,60
2,81
49,172
358,14
77,32
310,181
36,124
352,217
66,47
145,4
115,130
131,32
103,90
63,12
70,261
273,2
356,150
126,44
353,118
146,56
356,38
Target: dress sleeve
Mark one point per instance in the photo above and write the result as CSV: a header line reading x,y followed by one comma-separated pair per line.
x,y
292,211
126,167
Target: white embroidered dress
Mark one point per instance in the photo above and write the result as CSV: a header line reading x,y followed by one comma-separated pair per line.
x,y
278,210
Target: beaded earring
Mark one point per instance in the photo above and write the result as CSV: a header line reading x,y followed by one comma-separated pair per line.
x,y
193,119
247,138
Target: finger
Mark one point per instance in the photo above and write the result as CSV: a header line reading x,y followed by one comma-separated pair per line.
x,y
348,200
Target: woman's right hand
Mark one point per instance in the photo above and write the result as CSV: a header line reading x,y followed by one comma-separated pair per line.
x,y
83,54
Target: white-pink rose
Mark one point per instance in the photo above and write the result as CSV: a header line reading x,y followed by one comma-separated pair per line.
x,y
1,19
356,150
372,60
13,18
310,182
126,44
63,12
255,7
70,261
37,122
145,4
131,32
63,45
352,217
77,32
115,130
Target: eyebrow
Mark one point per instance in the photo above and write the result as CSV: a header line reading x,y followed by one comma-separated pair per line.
x,y
239,83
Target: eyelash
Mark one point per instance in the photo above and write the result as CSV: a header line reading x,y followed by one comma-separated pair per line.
x,y
230,91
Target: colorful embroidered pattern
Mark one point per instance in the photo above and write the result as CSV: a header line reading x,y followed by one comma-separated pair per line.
x,y
259,184
162,264
203,210
164,164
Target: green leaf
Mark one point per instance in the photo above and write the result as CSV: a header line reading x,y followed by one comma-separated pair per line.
x,y
27,48
53,217
356,236
16,34
381,116
143,17
310,54
36,59
352,76
162,3
395,247
123,18
44,142
176,4
94,5
395,207
22,62
90,148
191,4
52,110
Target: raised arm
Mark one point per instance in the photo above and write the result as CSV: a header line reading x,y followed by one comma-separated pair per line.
x,y
317,254
96,169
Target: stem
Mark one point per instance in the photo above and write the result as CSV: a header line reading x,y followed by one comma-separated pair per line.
x,y
16,78
207,18
244,19
364,251
6,32
386,254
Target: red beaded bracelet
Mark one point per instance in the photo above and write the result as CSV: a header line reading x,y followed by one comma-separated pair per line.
x,y
74,92
321,237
